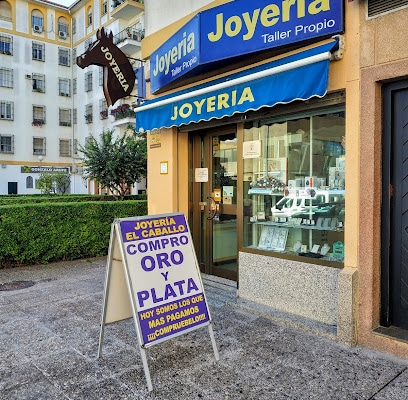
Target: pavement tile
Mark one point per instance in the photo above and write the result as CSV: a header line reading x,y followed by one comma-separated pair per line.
x,y
49,337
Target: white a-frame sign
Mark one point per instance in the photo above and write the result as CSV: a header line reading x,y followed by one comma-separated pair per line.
x,y
152,275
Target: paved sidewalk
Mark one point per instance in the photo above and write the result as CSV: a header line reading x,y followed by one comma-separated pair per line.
x,y
49,335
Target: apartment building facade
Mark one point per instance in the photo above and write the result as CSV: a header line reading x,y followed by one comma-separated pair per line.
x,y
49,106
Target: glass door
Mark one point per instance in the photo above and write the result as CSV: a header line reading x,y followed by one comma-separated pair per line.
x,y
217,205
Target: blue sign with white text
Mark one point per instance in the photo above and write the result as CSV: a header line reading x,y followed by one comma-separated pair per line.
x,y
242,27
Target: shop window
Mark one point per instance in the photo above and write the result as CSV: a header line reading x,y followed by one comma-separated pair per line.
x,y
377,7
294,186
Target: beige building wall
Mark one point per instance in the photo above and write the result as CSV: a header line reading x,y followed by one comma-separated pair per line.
x,y
384,57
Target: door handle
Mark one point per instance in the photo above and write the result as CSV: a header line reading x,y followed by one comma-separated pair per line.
x,y
212,211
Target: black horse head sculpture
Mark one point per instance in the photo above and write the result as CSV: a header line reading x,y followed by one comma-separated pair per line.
x,y
118,75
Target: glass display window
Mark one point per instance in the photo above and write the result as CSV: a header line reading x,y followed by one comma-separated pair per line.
x,y
294,185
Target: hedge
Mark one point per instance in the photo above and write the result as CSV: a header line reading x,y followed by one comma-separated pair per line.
x,y
41,198
45,232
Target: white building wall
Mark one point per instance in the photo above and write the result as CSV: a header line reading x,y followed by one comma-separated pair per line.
x,y
24,97
162,13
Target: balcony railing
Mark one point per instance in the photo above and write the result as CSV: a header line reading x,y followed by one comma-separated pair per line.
x,y
130,33
122,111
117,3
127,9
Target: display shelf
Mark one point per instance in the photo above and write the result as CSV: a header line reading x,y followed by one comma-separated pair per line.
x,y
297,226
267,191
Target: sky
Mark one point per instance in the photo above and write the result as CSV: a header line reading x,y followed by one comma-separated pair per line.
x,y
63,2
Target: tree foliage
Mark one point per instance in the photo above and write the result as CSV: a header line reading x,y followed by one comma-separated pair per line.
x,y
54,182
116,162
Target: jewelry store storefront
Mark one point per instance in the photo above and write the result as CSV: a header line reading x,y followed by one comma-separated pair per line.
x,y
246,121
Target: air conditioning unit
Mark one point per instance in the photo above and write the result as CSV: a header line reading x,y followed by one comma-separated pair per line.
x,y
37,28
62,34
28,77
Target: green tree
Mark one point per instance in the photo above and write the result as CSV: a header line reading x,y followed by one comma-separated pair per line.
x,y
116,162
54,182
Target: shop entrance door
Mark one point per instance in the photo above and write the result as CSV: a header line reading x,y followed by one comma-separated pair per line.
x,y
215,203
395,198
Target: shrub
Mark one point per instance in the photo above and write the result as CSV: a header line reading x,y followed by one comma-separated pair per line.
x,y
45,232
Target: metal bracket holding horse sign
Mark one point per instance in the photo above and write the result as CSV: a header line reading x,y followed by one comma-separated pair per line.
x,y
153,276
118,75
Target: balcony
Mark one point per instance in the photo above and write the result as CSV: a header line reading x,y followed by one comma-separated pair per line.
x,y
129,40
124,115
127,9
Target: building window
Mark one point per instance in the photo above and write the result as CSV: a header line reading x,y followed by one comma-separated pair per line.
x,y
74,56
6,143
38,83
88,113
29,182
75,116
38,115
5,11
88,81
294,188
65,148
377,7
75,146
64,117
103,109
39,146
37,21
89,16
63,28
38,51
74,26
6,77
100,76
63,57
87,43
104,7
74,86
6,45
7,110
64,87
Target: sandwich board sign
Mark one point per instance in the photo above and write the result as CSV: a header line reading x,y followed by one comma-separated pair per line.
x,y
152,275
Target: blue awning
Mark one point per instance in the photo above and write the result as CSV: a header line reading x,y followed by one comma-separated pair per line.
x,y
300,76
